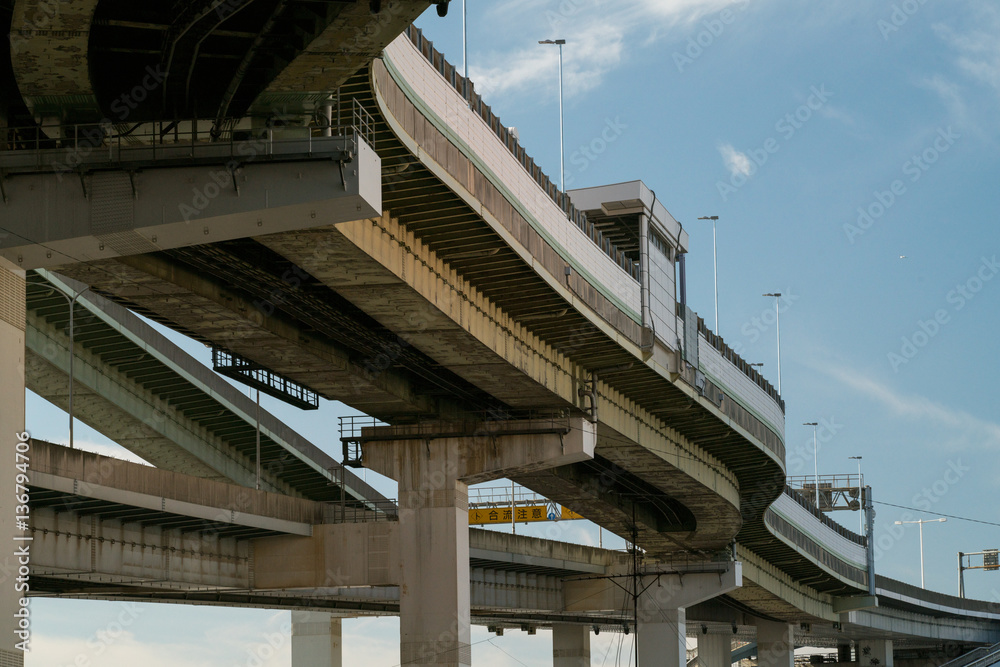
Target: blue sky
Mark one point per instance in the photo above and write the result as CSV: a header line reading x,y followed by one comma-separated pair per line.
x,y
850,152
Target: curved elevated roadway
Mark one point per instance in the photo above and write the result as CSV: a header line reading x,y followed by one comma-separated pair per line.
x,y
482,294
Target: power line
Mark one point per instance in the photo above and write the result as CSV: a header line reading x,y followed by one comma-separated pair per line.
x,y
950,516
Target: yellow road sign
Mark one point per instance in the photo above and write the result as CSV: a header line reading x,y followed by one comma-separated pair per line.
x,y
523,513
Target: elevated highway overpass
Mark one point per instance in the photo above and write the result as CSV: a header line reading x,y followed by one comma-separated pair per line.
x,y
414,263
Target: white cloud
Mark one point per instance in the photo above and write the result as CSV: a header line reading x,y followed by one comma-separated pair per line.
x,y
736,162
950,94
963,428
979,51
596,40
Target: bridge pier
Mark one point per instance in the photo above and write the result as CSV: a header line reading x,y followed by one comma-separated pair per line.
x,y
12,305
715,650
775,644
570,645
434,463
662,621
316,639
875,653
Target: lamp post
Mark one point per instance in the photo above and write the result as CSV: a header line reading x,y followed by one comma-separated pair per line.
x,y
921,522
465,46
715,264
562,166
861,494
777,331
71,302
815,460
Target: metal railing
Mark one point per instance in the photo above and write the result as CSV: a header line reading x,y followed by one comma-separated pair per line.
x,y
371,511
71,147
730,355
985,656
509,139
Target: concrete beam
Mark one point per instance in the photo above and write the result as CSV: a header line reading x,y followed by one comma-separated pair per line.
x,y
665,589
131,415
474,453
107,214
86,549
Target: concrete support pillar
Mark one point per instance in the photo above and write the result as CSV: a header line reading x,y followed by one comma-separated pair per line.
x,y
662,617
875,653
662,635
775,644
316,639
433,464
715,650
11,434
434,613
570,645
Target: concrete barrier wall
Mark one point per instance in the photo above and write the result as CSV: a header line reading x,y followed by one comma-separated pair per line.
x,y
448,111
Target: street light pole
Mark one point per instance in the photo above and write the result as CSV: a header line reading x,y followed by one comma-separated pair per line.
x,y
715,264
777,331
921,522
861,494
71,302
465,47
815,460
562,152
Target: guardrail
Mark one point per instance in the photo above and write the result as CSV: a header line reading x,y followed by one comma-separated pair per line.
x,y
716,341
69,148
466,89
985,656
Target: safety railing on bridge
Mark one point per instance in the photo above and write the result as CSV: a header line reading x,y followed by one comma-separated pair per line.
x,y
350,437
809,504
369,512
716,341
508,138
69,148
985,656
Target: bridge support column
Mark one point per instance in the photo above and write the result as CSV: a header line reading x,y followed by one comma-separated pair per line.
x,y
662,617
434,464
316,639
875,653
715,650
775,644
662,636
570,645
11,427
